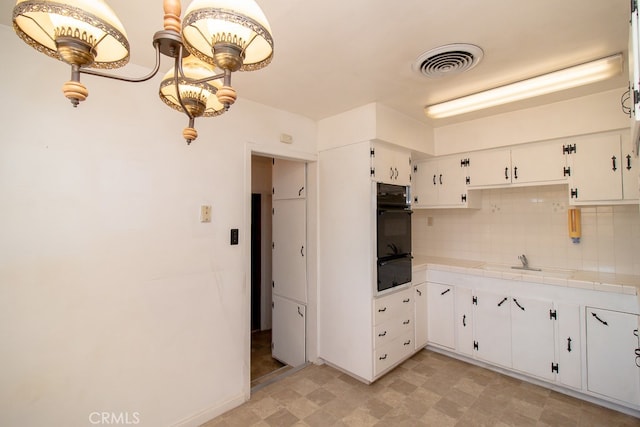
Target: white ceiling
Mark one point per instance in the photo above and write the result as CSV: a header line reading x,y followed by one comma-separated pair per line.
x,y
334,55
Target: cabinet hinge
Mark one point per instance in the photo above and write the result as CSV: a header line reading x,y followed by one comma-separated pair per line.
x,y
475,345
574,193
467,180
273,190
567,171
464,163
373,171
463,198
273,284
554,368
553,315
372,153
415,199
568,149
415,168
474,300
272,305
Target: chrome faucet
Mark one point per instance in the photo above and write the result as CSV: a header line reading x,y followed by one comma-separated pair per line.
x,y
524,260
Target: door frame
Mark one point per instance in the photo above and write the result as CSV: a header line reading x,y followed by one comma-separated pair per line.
x,y
311,344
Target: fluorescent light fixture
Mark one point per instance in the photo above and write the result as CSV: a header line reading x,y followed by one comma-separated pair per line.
x,y
567,78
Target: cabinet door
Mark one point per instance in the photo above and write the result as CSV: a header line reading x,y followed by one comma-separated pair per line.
x,y
288,337
464,325
289,250
611,359
490,167
425,183
288,179
630,171
440,314
452,181
402,167
492,323
596,169
532,337
569,346
420,323
539,163
383,164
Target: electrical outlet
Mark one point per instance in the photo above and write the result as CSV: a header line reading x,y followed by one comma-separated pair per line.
x,y
205,213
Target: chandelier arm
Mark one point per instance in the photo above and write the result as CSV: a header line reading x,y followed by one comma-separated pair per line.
x,y
208,79
128,79
176,82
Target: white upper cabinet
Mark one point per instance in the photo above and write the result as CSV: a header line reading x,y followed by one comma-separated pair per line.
x,y
538,163
595,167
630,172
390,165
288,179
441,183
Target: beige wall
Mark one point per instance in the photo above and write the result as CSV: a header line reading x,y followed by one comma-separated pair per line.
x,y
113,296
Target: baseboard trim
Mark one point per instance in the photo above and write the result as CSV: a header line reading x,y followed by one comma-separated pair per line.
x,y
213,412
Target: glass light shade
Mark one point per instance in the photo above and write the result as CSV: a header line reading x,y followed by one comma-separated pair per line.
x,y
242,23
548,83
200,99
41,23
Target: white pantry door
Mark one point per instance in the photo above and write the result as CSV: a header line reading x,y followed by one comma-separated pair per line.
x,y
288,336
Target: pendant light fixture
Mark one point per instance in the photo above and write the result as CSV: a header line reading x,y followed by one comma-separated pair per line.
x,y
232,35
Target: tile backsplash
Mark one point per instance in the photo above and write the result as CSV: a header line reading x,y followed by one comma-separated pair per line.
x,y
532,221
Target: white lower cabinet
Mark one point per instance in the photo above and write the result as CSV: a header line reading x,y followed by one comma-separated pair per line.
x,y
464,320
421,315
440,314
612,364
569,345
492,324
532,337
393,330
289,326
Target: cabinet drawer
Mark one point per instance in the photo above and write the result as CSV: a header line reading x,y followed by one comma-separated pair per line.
x,y
392,329
391,306
390,354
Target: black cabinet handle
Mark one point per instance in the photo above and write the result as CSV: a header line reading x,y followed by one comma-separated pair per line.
x,y
407,342
391,173
569,344
300,313
397,173
599,319
440,179
515,172
628,162
442,293
419,293
518,304
406,300
464,320
506,173
434,180
503,301
406,322
300,191
383,357
382,334
302,250
613,159
382,310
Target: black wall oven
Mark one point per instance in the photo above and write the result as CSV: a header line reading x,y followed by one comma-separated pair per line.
x,y
393,236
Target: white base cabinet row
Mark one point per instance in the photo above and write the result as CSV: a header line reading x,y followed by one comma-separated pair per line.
x,y
550,335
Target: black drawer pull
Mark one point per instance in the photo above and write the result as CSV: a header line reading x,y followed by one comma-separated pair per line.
x,y
406,300
383,357
502,302
444,292
382,310
406,322
382,334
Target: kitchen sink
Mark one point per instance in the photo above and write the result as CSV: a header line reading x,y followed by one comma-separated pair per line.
x,y
544,272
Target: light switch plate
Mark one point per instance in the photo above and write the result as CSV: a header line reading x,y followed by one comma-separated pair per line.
x,y
205,213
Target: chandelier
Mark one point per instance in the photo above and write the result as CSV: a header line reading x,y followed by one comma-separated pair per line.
x,y
215,39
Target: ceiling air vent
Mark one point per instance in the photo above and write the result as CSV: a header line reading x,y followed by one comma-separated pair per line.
x,y
448,60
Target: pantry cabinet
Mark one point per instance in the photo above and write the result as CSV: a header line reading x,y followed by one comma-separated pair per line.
x,y
612,364
441,183
390,164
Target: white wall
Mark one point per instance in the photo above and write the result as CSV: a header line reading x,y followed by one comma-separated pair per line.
x,y
589,114
113,296
533,221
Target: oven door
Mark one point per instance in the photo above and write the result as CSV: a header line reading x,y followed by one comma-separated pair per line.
x,y
394,232
394,271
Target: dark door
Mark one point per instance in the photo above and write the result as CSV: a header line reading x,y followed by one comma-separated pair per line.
x,y
256,272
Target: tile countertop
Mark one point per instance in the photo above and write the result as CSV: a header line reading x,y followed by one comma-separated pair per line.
x,y
593,280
